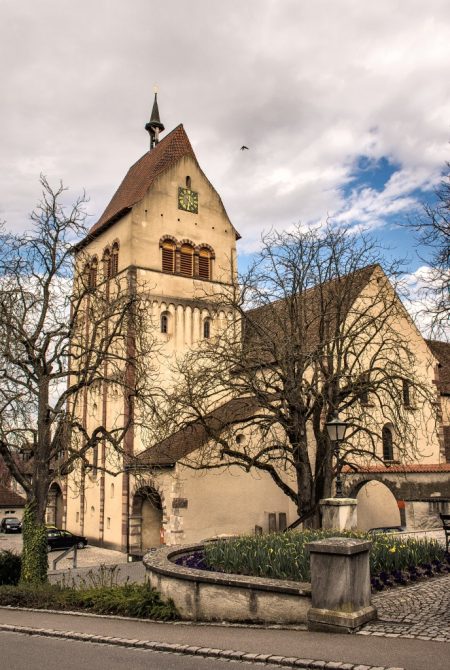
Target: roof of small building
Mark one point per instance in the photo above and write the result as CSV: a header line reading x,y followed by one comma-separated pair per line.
x,y
196,434
401,468
141,176
10,498
442,352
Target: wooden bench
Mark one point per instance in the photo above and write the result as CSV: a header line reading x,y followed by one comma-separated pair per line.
x,y
445,518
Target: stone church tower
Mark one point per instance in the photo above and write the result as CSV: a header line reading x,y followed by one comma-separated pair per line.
x,y
166,226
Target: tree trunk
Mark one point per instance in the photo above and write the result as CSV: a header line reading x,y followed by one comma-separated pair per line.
x,y
34,532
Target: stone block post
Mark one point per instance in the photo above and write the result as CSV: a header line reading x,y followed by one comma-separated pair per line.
x,y
340,585
339,513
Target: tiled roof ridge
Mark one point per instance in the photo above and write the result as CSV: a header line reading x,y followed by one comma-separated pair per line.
x,y
141,175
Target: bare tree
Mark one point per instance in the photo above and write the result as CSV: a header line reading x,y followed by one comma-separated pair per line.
x,y
433,230
318,329
64,343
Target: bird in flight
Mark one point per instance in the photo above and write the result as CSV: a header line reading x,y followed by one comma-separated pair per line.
x,y
244,147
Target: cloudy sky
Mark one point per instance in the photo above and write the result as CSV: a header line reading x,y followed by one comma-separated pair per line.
x,y
344,104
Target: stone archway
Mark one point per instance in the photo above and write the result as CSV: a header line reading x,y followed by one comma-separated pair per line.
x,y
146,520
55,506
377,505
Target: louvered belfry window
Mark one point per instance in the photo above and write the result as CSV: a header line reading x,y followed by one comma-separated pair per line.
x,y
107,264
114,261
187,260
204,264
168,257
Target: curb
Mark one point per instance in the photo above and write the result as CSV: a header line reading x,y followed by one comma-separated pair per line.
x,y
172,622
205,652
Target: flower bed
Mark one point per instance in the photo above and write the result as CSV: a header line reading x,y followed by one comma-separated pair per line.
x,y
393,560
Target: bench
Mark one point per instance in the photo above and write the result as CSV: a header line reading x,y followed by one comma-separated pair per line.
x,y
445,518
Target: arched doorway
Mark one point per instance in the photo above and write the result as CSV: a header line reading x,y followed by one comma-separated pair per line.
x,y
146,520
55,506
377,506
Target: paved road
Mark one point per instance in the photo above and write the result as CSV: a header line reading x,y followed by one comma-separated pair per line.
x,y
353,649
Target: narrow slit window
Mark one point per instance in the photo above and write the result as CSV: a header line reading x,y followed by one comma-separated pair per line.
x,y
406,393
168,257
92,281
364,393
204,264
187,260
388,448
207,329
164,323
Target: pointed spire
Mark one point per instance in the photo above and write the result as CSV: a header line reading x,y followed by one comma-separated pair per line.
x,y
154,126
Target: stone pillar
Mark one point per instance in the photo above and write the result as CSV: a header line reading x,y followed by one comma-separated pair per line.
x,y
340,585
339,513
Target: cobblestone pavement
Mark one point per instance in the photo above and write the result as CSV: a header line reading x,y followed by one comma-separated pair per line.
x,y
421,611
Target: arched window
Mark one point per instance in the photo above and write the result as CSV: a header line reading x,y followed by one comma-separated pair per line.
x,y
207,329
114,262
388,447
92,277
168,256
187,260
107,264
165,323
188,182
204,263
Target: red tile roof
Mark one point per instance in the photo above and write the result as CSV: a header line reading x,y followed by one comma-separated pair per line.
x,y
10,498
399,468
195,435
442,352
141,176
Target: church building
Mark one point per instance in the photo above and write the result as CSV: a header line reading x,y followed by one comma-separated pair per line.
x,y
166,226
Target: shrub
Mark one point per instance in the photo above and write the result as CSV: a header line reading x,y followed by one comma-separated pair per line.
x,y
134,600
10,566
285,555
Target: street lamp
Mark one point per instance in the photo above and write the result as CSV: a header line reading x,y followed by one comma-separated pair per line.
x,y
336,432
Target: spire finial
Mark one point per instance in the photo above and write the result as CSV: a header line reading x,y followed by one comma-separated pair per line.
x,y
154,126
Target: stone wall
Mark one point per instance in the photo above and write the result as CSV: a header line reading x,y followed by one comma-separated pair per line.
x,y
200,595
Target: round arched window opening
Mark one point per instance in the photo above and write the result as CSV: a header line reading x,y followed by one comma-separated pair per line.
x,y
111,491
188,182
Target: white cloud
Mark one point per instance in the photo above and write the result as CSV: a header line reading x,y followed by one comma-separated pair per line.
x,y
307,86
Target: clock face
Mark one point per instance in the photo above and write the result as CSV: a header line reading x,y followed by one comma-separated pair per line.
x,y
187,200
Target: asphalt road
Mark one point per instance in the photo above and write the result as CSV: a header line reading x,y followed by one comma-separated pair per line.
x,y
23,652
372,651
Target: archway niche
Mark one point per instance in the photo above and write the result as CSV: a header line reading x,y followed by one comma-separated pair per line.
x,y
146,520
55,506
377,506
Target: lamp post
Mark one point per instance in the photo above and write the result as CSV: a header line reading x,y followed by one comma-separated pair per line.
x,y
336,432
